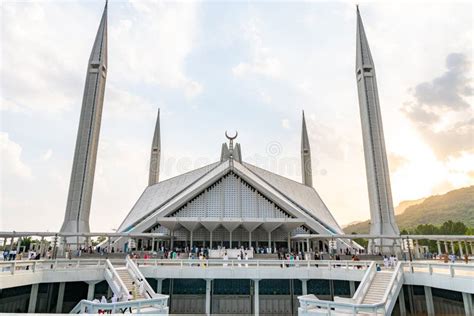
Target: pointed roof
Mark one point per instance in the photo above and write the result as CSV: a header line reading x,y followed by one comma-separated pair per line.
x,y
157,135
304,137
161,199
363,55
302,195
156,195
99,50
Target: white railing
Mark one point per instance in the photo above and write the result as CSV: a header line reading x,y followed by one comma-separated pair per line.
x,y
448,269
139,278
365,283
310,304
31,266
255,263
114,280
146,306
393,289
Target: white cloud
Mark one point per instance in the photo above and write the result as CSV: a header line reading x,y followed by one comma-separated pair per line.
x,y
12,164
47,155
154,45
261,60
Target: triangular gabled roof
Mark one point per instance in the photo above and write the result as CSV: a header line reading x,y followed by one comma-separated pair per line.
x,y
304,196
161,199
156,195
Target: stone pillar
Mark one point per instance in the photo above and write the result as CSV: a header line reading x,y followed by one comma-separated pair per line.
x,y
33,298
256,297
352,288
153,244
468,308
452,247
289,241
307,245
230,239
467,249
208,296
191,240
159,286
439,247
210,239
18,245
59,303
250,239
270,240
429,301
460,249
90,291
304,287
401,302
417,249
446,247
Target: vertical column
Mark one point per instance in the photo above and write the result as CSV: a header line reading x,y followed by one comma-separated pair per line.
x,y
191,240
467,249
230,239
304,287
460,249
59,303
307,244
468,308
401,302
452,247
352,288
446,247
159,286
18,245
208,296
153,244
429,301
439,247
417,250
256,297
289,241
250,239
210,239
33,298
90,291
270,239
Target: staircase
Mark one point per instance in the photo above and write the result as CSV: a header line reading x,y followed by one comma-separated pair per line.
x,y
377,288
128,281
122,280
376,295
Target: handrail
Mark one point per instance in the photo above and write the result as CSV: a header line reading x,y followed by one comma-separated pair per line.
x,y
114,277
138,276
393,288
365,283
158,304
391,283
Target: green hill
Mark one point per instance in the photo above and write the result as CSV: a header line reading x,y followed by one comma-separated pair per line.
x,y
456,205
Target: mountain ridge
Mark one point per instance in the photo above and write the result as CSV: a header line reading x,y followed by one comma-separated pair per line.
x,y
455,205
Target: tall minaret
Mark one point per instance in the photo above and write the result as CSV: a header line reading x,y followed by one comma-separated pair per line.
x,y
155,154
306,171
85,154
378,176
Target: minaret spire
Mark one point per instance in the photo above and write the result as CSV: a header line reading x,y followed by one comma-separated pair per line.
x,y
306,171
83,168
378,175
155,155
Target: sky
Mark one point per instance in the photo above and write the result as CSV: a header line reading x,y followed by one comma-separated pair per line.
x,y
213,66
